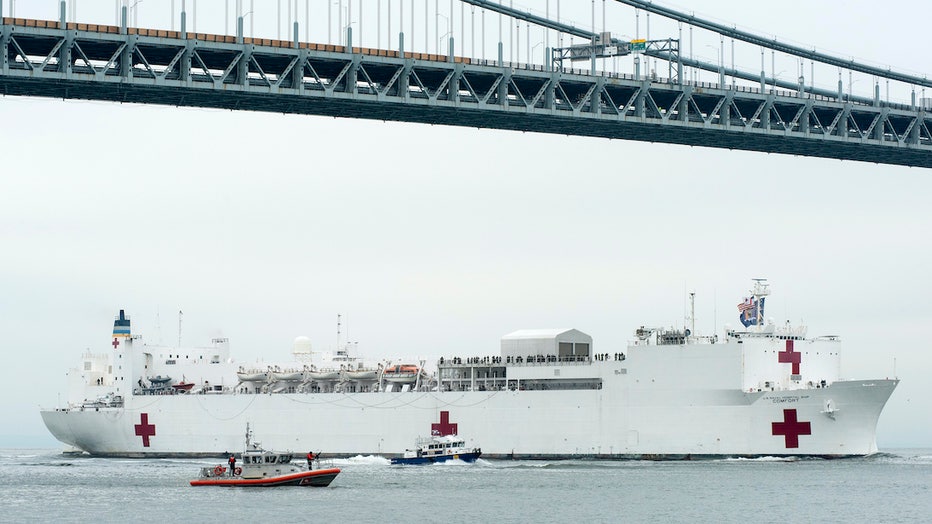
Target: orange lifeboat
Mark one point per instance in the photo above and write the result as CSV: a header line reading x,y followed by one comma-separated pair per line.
x,y
401,373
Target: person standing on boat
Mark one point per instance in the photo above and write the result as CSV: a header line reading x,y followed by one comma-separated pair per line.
x,y
310,460
232,462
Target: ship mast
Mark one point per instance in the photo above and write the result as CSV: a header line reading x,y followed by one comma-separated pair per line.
x,y
761,290
692,313
338,333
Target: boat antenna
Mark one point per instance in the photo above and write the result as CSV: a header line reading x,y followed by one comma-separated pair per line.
x,y
180,316
338,331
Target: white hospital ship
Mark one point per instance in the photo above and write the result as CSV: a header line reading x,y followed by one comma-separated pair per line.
x,y
760,390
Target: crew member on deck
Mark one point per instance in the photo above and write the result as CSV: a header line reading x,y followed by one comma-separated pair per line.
x,y
310,460
232,462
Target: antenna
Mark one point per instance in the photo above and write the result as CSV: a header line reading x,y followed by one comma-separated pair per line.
x,y
180,316
692,313
338,331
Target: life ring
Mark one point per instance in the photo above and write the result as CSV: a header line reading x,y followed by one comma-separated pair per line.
x,y
219,470
237,471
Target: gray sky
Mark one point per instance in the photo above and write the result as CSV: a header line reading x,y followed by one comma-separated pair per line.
x,y
438,241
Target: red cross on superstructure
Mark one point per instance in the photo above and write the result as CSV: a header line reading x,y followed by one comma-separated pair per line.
x,y
116,342
144,429
444,427
791,429
789,357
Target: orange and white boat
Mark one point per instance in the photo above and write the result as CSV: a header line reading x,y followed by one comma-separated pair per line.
x,y
260,467
401,373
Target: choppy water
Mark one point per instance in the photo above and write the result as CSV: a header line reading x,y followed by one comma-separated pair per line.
x,y
43,485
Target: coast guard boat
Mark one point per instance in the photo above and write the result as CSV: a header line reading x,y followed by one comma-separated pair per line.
x,y
260,467
763,388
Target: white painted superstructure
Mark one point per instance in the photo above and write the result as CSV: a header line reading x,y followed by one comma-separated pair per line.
x,y
765,389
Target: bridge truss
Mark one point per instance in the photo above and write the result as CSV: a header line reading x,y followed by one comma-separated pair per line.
x,y
77,61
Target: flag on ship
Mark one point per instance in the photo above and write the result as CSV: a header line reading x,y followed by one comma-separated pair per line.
x,y
750,311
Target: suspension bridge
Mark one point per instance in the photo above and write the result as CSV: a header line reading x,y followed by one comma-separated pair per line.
x,y
571,90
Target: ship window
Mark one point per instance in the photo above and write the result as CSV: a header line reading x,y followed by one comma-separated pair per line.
x,y
87,366
582,349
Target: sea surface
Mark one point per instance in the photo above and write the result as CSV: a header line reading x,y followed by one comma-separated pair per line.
x,y
894,486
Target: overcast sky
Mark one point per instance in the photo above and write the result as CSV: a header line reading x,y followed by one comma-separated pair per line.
x,y
436,240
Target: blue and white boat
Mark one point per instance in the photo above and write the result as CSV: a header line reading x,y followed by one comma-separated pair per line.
x,y
438,449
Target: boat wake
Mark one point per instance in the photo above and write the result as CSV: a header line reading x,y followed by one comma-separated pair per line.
x,y
762,459
363,460
47,464
905,456
454,463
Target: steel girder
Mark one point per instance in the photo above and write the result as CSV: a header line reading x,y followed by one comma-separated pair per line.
x,y
218,72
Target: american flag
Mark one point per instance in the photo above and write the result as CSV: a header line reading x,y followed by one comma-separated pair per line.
x,y
746,305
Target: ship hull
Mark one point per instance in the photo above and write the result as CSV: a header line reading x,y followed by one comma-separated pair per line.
x,y
316,478
414,461
621,420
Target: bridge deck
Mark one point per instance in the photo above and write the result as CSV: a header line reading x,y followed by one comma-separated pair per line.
x,y
38,58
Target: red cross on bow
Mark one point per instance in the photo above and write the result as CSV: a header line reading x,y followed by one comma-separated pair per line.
x,y
444,427
789,357
116,342
791,429
144,429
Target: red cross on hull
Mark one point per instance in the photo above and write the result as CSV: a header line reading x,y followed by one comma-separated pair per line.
x,y
144,429
444,427
791,428
790,357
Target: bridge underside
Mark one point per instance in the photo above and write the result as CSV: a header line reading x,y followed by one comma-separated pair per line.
x,y
313,79
629,129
